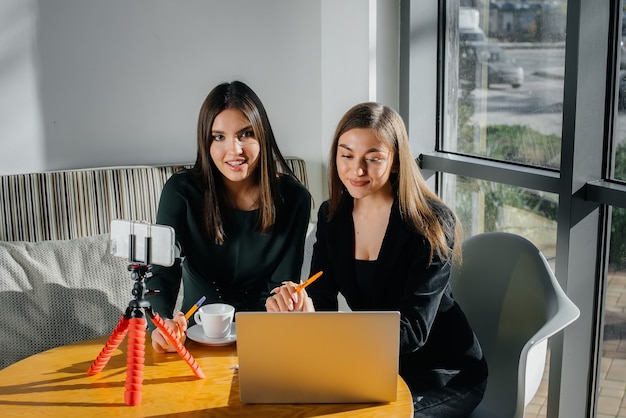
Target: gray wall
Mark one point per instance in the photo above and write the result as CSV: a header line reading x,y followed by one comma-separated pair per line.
x,y
92,83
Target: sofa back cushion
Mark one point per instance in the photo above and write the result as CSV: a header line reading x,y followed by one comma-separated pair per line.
x,y
58,292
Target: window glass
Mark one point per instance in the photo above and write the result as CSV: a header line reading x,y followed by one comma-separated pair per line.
x,y
620,137
611,399
484,206
509,82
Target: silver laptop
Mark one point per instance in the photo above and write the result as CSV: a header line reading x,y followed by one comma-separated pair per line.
x,y
318,357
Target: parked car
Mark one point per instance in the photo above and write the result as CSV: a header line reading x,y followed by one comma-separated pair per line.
x,y
471,35
501,69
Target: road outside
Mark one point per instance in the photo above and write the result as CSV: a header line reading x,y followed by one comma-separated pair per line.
x,y
538,103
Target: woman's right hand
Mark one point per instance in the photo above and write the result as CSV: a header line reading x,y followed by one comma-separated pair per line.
x,y
287,298
178,326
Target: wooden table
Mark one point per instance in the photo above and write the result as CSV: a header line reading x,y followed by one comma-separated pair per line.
x,y
55,384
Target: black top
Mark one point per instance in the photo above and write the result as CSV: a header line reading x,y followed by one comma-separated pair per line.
x,y
365,277
245,267
437,345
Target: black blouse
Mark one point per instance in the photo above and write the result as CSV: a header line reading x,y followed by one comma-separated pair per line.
x,y
243,269
437,345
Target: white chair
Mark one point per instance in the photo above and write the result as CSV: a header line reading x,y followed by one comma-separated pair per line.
x,y
514,304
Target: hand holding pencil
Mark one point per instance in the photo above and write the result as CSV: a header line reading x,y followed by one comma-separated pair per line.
x,y
194,308
178,325
309,281
291,297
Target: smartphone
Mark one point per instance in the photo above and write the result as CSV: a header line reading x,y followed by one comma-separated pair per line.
x,y
162,242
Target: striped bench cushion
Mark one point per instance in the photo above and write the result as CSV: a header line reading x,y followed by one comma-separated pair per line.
x,y
60,205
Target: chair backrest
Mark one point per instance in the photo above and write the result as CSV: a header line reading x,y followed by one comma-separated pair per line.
x,y
514,303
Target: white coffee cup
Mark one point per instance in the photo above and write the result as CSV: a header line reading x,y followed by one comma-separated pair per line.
x,y
216,319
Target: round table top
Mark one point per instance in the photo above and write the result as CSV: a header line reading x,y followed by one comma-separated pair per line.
x,y
55,383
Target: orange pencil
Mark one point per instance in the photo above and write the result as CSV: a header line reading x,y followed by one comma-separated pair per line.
x,y
309,281
194,307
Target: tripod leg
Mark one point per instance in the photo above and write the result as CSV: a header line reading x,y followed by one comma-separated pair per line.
x,y
114,341
135,361
180,348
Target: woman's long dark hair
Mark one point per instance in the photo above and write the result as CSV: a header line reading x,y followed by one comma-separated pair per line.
x,y
237,95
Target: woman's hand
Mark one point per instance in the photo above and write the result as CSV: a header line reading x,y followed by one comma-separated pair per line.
x,y
287,299
178,326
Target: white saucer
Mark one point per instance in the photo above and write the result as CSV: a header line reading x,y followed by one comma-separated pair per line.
x,y
196,333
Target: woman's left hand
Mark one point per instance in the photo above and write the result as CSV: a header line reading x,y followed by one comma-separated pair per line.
x,y
287,299
178,326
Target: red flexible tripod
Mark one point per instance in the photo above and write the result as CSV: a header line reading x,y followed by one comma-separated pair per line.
x,y
134,321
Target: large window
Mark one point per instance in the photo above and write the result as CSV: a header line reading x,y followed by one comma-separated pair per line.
x,y
529,136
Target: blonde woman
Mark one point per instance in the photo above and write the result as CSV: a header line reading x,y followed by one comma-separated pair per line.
x,y
387,242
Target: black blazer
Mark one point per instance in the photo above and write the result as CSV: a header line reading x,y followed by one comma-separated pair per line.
x,y
437,345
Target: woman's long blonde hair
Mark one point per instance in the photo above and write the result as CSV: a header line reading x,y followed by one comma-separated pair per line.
x,y
419,206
